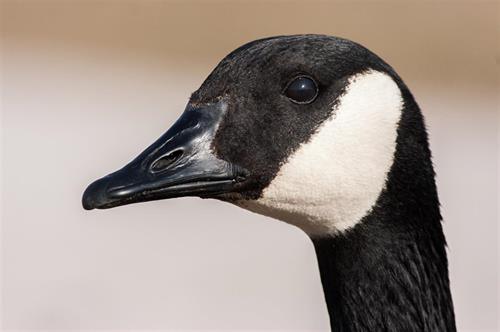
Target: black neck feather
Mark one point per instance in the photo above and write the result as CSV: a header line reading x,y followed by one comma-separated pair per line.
x,y
386,283
390,272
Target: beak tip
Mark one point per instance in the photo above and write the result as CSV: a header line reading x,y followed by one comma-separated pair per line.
x,y
94,195
87,205
87,201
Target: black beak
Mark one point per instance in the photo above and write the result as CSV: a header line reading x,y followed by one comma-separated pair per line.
x,y
179,163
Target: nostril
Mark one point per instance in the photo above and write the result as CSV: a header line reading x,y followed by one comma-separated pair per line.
x,y
166,160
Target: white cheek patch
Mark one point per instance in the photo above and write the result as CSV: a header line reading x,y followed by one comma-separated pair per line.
x,y
334,179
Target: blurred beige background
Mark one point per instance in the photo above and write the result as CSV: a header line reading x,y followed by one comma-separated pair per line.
x,y
86,85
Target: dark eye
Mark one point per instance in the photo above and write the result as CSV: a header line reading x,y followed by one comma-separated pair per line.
x,y
302,90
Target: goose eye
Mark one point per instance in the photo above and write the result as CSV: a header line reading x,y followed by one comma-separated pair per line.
x,y
302,90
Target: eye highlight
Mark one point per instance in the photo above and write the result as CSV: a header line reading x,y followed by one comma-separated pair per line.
x,y
302,90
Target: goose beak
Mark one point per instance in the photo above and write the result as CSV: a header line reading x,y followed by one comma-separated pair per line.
x,y
180,163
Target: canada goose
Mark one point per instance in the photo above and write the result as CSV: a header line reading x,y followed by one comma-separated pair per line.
x,y
318,132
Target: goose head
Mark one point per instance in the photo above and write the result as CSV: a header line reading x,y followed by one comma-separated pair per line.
x,y
299,128
318,132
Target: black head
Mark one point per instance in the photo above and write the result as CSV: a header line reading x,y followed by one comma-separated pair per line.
x,y
259,80
240,128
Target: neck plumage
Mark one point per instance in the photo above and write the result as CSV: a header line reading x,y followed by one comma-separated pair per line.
x,y
390,271
377,279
